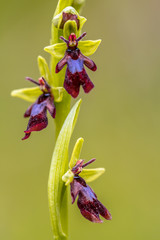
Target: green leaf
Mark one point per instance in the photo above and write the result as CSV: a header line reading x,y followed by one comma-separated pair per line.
x,y
90,175
88,47
44,69
69,27
59,164
28,94
57,50
76,153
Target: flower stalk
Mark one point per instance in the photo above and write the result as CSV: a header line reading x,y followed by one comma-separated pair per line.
x,y
57,192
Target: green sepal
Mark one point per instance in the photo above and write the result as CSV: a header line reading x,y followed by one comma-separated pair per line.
x,y
76,152
57,50
28,94
57,20
88,47
68,177
69,27
31,94
90,175
44,69
56,188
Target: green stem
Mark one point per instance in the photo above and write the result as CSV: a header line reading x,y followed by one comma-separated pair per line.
x,y
57,192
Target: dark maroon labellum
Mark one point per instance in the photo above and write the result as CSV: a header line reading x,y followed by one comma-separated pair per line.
x,y
75,73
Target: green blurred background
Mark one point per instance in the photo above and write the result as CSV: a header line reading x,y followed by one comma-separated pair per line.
x,y
119,120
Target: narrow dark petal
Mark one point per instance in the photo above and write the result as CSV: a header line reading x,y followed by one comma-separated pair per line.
x,y
63,39
89,162
88,62
31,80
51,107
61,64
82,36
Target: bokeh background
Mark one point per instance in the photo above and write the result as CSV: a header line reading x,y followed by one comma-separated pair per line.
x,y
119,120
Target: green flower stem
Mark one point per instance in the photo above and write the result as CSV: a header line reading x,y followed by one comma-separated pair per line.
x,y
57,191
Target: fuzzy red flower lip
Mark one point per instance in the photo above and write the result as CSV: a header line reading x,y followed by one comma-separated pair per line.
x,y
75,73
38,110
88,203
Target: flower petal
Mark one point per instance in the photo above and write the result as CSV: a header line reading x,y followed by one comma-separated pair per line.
x,y
89,63
90,175
28,94
89,47
61,63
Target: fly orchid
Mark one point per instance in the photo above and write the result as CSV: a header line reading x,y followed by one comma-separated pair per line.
x,y
38,110
78,177
75,73
87,202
